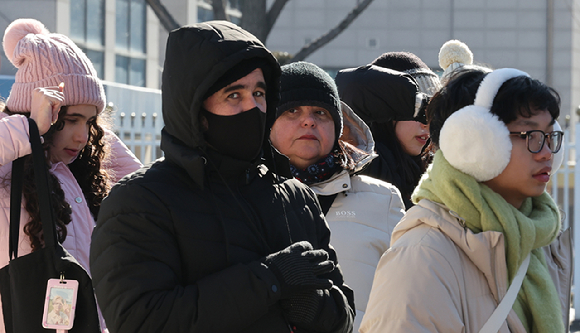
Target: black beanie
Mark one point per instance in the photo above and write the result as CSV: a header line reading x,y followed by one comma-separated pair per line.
x,y
409,63
237,72
305,84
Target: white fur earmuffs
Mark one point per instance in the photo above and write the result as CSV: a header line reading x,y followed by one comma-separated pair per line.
x,y
475,141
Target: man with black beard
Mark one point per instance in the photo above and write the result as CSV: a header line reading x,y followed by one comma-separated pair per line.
x,y
209,239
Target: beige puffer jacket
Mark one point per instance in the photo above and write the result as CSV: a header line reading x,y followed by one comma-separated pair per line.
x,y
362,216
440,277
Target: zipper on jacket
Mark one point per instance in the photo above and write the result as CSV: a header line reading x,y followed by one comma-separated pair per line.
x,y
252,216
460,219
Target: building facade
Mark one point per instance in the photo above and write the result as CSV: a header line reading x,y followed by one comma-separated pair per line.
x,y
123,38
541,37
126,42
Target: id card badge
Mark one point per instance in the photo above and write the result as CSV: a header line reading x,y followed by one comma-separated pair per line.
x,y
60,304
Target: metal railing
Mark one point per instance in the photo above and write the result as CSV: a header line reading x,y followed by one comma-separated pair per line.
x,y
565,189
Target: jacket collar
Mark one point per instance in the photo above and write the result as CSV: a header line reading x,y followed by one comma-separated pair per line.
x,y
187,158
230,169
339,182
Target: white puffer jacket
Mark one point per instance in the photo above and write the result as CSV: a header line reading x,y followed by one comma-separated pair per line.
x,y
362,216
441,277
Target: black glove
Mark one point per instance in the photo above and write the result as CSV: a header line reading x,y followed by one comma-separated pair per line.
x,y
315,310
297,268
302,307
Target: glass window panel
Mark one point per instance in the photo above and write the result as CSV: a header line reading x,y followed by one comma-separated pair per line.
x,y
95,21
121,68
77,19
138,28
122,24
204,14
137,72
235,4
98,60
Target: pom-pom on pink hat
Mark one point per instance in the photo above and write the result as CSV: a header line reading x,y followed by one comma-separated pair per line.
x,y
46,59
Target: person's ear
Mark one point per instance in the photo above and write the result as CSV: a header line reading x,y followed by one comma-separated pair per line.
x,y
474,140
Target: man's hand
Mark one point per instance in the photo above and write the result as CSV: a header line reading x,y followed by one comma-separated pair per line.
x,y
297,268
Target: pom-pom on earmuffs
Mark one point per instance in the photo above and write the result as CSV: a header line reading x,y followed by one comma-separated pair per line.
x,y
474,140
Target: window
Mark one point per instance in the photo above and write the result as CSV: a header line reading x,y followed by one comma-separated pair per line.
x,y
87,29
130,45
130,34
204,14
235,19
235,4
130,71
98,60
205,11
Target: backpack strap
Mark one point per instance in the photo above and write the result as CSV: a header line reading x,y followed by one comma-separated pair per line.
x,y
500,313
15,204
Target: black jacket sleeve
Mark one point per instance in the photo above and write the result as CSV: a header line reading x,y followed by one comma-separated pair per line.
x,y
340,300
136,271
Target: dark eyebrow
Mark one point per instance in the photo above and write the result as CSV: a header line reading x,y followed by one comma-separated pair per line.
x,y
79,115
260,84
525,122
232,88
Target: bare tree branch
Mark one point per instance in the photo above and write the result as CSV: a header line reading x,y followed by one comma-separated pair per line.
x,y
260,22
272,16
166,19
330,35
219,10
253,15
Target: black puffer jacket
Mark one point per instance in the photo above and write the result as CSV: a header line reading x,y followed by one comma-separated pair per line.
x,y
178,245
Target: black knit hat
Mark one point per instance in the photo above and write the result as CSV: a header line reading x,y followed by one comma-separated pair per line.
x,y
409,63
305,84
237,72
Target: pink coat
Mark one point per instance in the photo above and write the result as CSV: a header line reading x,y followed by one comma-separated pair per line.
x,y
14,144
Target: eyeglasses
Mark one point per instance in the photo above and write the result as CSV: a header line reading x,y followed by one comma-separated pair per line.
x,y
536,139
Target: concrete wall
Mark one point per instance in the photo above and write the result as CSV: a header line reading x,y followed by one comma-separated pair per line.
x,y
501,33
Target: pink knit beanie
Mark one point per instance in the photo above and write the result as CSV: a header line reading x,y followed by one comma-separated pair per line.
x,y
44,59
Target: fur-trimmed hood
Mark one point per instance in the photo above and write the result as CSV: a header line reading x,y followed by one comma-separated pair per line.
x,y
357,133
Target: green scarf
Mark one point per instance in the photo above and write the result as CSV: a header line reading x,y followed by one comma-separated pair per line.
x,y
534,225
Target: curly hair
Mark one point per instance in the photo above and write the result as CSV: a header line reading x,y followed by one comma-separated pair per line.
x,y
87,169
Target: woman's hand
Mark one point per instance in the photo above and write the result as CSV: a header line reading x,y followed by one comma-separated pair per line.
x,y
46,103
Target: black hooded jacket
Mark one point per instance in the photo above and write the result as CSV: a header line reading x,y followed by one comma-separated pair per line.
x,y
178,245
380,96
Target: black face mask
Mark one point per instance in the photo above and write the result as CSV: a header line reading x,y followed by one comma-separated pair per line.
x,y
239,136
